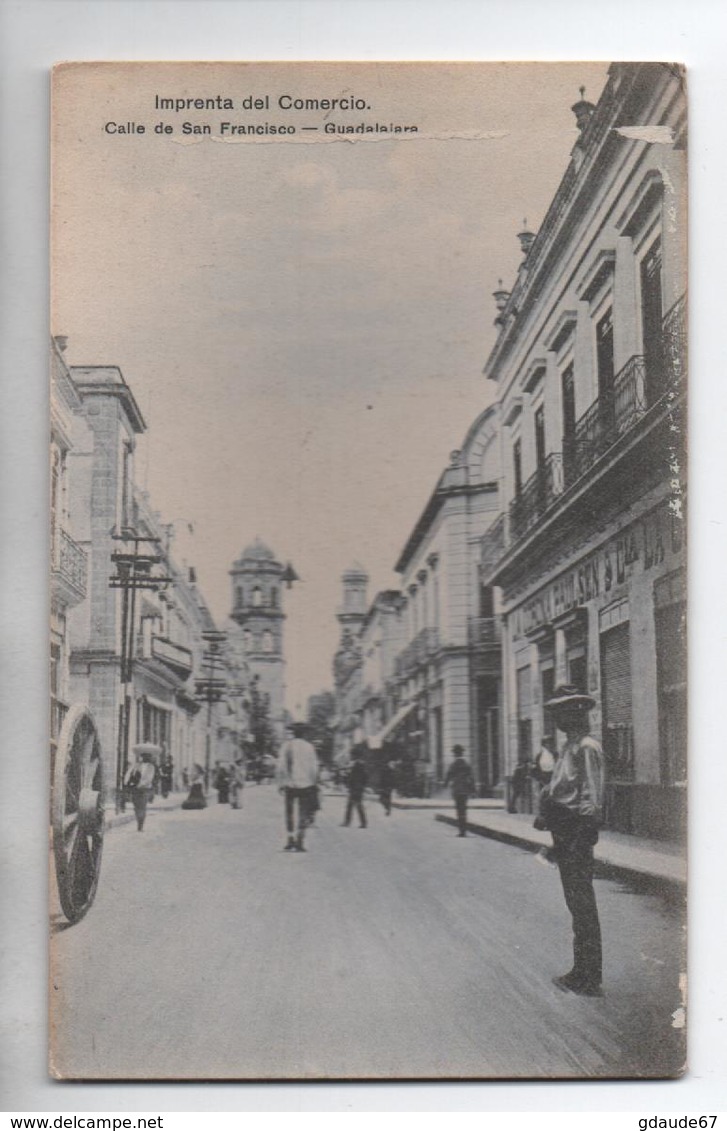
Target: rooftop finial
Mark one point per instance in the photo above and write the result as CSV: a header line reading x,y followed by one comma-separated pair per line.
x,y
583,110
526,237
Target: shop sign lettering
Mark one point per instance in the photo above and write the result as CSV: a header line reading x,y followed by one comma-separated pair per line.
x,y
640,546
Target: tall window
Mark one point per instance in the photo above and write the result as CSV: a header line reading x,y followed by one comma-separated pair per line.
x,y
605,368
267,641
517,467
126,474
56,466
651,319
273,598
540,438
568,397
257,596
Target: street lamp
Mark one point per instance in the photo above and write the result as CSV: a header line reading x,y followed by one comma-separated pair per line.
x,y
289,576
134,566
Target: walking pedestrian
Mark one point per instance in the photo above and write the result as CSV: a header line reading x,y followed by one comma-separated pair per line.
x,y
237,783
139,779
571,808
357,780
459,776
221,783
196,798
521,776
387,781
297,780
166,775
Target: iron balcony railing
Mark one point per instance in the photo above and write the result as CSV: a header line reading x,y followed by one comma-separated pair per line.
x,y
484,632
674,328
537,496
606,420
492,544
424,645
70,563
637,388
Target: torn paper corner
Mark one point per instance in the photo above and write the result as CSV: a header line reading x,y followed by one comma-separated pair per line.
x,y
352,136
652,135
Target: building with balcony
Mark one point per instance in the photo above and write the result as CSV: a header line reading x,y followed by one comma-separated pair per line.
x,y
590,366
68,554
132,653
447,673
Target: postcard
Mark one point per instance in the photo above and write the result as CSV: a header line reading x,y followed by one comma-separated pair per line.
x,y
368,494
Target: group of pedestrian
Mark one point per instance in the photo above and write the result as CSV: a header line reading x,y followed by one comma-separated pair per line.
x,y
571,785
229,781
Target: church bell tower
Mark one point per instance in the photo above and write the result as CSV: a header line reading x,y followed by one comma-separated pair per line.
x,y
257,621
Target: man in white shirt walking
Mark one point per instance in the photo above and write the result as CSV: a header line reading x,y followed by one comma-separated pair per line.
x,y
297,780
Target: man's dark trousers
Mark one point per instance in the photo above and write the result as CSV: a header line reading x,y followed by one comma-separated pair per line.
x,y
304,799
575,861
460,803
355,800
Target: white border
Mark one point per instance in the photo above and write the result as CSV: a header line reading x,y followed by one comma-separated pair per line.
x,y
36,33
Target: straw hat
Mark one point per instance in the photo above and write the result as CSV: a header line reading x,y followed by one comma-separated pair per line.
x,y
567,695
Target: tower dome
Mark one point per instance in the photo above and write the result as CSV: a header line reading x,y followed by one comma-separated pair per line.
x,y
355,572
257,551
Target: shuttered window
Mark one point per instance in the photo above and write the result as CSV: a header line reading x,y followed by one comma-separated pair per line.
x,y
617,702
524,703
671,675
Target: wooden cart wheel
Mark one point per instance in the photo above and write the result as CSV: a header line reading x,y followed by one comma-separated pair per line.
x,y
78,816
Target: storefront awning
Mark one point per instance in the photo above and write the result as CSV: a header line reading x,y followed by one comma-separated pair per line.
x,y
374,741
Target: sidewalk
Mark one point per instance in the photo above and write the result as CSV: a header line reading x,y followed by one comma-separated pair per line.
x,y
159,805
658,865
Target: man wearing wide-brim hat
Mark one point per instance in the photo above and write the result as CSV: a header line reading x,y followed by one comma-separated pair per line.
x,y
572,808
139,778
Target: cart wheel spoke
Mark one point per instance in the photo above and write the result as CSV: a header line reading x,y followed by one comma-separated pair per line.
x,y
70,826
78,826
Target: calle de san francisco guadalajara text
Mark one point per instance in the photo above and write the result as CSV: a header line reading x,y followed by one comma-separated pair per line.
x,y
286,103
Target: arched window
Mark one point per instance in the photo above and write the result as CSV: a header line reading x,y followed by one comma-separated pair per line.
x,y
273,598
267,641
247,640
257,596
238,597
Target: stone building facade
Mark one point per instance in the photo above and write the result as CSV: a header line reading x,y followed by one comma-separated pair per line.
x,y
100,521
69,539
590,365
447,672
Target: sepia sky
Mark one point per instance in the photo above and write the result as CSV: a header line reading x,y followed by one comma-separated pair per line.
x,y
303,322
